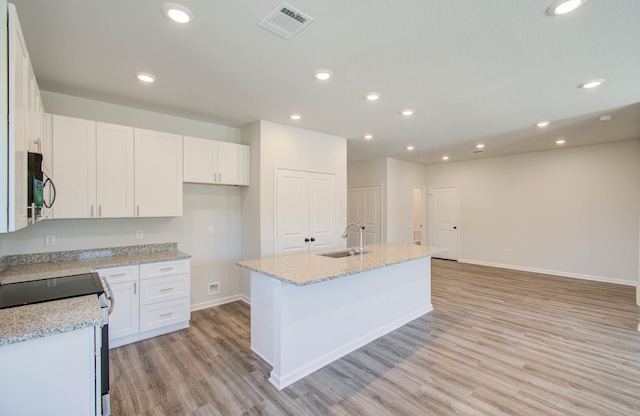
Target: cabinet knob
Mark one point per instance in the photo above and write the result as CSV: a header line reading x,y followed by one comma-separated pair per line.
x,y
306,240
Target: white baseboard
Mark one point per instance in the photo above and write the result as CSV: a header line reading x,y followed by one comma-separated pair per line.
x,y
220,301
551,272
280,381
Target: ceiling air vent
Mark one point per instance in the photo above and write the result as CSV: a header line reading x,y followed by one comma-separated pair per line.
x,y
286,21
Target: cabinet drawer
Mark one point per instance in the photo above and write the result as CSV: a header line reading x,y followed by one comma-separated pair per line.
x,y
166,268
165,288
119,274
162,314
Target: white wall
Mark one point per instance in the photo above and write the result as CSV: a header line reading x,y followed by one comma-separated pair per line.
x,y
572,212
276,145
296,148
213,257
402,178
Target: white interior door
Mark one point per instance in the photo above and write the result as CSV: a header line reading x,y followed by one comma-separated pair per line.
x,y
443,220
364,206
292,212
322,211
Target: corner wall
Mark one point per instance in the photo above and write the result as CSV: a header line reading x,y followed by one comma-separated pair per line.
x,y
572,212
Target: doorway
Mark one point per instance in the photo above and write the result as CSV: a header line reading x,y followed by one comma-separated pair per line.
x,y
418,216
443,220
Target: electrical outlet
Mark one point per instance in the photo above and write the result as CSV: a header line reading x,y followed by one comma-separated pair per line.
x,y
214,288
211,230
49,240
139,235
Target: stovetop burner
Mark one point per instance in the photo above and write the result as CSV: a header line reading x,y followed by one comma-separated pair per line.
x,y
37,291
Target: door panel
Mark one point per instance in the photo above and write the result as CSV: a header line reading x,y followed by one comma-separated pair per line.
x,y
292,216
364,207
443,221
322,210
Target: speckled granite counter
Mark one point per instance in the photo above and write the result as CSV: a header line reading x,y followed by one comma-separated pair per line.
x,y
33,321
23,268
308,268
48,318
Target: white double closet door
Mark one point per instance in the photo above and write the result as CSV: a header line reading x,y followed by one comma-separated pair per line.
x,y
306,211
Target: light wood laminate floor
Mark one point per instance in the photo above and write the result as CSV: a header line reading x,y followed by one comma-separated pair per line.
x,y
499,342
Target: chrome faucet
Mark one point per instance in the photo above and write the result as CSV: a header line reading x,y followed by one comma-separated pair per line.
x,y
360,230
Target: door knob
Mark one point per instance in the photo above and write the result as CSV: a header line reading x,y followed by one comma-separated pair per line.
x,y
455,228
313,239
306,240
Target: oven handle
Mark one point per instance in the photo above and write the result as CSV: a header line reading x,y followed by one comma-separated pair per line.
x,y
109,296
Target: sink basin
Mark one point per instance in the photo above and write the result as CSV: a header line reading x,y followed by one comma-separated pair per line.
x,y
340,254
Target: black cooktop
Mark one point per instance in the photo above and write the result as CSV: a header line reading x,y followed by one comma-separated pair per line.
x,y
37,291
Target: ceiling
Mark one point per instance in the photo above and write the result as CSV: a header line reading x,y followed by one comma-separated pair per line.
x,y
474,71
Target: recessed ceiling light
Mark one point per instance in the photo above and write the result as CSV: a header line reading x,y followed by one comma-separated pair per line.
x,y
145,77
606,117
410,148
543,123
480,146
322,74
445,157
591,84
295,116
408,112
368,136
177,12
561,141
561,7
372,96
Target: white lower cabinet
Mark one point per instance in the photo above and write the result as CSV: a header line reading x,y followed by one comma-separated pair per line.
x,y
60,378
124,318
149,300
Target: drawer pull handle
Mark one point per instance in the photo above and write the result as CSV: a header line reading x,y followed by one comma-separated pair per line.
x,y
162,315
117,275
166,289
166,269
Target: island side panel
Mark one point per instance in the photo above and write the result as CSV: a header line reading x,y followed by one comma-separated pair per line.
x,y
316,324
262,315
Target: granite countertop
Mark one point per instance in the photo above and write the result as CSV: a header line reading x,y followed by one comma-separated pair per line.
x,y
48,318
308,268
22,323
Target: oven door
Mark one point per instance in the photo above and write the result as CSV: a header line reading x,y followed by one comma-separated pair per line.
x,y
105,400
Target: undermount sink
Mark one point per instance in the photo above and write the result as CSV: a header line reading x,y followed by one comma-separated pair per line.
x,y
344,253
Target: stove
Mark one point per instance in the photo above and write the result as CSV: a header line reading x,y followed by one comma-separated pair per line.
x,y
38,291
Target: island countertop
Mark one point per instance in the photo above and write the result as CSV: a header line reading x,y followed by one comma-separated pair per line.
x,y
308,268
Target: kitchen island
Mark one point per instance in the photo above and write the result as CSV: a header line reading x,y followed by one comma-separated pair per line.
x,y
308,310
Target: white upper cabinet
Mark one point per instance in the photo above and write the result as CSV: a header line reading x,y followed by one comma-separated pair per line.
x,y
158,174
92,169
16,128
114,171
233,163
214,162
74,167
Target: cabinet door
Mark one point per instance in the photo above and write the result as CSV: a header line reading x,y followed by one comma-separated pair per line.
x,y
19,127
124,319
158,174
199,160
233,164
323,210
114,170
74,167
